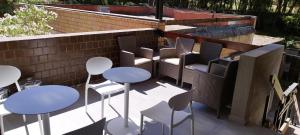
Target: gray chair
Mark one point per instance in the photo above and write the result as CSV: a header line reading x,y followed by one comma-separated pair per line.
x,y
208,51
171,114
170,63
93,129
133,56
215,88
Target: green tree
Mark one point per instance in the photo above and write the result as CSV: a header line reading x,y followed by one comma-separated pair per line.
x,y
28,20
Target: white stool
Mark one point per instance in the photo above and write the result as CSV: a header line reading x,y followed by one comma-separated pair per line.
x,y
8,75
96,66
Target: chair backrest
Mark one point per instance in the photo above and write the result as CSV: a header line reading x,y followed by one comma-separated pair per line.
x,y
171,42
93,129
180,101
127,43
184,45
97,65
9,75
209,51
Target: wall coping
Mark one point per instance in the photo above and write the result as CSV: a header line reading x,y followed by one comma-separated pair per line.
x,y
9,39
151,8
103,13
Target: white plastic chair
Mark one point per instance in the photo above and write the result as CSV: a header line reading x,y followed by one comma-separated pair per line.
x,y
96,66
8,75
170,114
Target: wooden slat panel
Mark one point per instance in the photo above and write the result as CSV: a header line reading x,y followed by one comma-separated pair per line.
x,y
277,87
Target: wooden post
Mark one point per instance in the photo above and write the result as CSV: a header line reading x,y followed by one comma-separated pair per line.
x,y
159,9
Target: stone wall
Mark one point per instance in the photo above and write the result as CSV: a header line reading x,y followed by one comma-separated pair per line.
x,y
61,58
75,20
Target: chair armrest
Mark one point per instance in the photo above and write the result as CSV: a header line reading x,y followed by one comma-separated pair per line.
x,y
212,61
167,53
126,58
190,58
145,52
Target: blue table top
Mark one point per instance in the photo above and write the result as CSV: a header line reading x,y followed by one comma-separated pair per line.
x,y
41,99
127,74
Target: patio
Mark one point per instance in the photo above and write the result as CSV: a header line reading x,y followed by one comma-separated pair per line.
x,y
142,96
240,70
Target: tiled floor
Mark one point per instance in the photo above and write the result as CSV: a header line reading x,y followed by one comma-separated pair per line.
x,y
142,96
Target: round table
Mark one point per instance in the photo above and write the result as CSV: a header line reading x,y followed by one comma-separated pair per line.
x,y
42,100
126,75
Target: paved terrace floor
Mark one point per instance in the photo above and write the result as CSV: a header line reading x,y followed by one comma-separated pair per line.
x,y
143,95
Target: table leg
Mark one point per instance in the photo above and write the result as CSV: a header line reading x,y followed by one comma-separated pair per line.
x,y
126,103
44,124
41,124
120,125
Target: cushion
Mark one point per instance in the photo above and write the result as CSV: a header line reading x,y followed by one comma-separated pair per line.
x,y
217,69
200,67
174,61
139,60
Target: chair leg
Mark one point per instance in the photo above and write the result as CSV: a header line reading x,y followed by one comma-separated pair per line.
x,y
171,130
141,124
109,96
41,124
163,128
177,81
218,113
86,99
2,125
102,106
192,125
24,118
182,84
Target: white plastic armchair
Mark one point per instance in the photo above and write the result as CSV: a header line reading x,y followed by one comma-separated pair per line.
x,y
8,75
97,66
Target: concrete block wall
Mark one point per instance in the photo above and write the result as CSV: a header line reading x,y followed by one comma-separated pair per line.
x,y
61,58
74,20
252,83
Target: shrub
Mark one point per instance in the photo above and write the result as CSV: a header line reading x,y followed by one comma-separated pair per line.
x,y
6,7
28,20
292,23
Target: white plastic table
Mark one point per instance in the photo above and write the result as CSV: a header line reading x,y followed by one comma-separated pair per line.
x,y
42,100
127,75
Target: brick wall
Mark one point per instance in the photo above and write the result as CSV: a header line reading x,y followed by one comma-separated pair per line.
x,y
61,58
74,20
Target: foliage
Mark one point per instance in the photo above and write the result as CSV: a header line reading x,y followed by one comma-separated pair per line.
x,y
35,1
292,23
28,20
6,7
292,20
292,42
